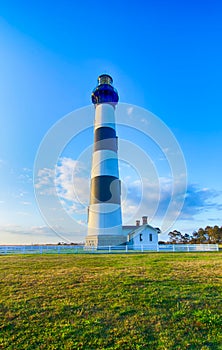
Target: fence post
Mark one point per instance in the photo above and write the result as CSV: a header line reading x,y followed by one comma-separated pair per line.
x,y
173,248
126,248
157,248
109,249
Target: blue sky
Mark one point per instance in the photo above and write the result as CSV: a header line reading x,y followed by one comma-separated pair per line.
x,y
164,56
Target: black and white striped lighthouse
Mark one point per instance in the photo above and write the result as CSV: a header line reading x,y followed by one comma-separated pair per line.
x,y
104,212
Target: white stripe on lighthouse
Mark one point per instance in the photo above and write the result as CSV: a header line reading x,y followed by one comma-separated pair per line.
x,y
105,162
105,115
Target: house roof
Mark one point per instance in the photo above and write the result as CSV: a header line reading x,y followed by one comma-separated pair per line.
x,y
127,227
135,230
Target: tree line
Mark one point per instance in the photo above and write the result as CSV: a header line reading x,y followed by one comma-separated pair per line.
x,y
208,235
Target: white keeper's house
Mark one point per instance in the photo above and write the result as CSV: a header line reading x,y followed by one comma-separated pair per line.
x,y
141,234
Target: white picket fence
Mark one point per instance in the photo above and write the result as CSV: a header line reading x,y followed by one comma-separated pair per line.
x,y
156,248
40,249
74,249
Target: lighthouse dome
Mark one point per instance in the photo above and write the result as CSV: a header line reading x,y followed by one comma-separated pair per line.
x,y
105,92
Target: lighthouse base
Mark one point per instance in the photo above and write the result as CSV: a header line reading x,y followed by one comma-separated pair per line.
x,y
105,240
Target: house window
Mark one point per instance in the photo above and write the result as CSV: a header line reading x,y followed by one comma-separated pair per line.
x,y
151,237
141,237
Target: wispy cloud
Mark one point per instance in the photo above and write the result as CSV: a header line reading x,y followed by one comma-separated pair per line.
x,y
45,181
153,199
19,230
17,234
25,203
130,110
22,213
200,199
26,175
70,180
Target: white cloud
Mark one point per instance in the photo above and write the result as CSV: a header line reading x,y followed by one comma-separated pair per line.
x,y
153,198
25,203
70,180
16,234
25,177
45,178
27,170
157,196
130,110
144,121
31,231
23,213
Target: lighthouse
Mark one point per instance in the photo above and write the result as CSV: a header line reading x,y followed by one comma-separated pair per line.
x,y
104,211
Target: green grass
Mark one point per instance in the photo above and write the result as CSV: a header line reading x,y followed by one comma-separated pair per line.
x,y
137,301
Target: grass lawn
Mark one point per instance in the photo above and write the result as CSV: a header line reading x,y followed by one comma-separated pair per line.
x,y
88,301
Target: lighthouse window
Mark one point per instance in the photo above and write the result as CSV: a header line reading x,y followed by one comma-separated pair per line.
x,y
151,237
141,237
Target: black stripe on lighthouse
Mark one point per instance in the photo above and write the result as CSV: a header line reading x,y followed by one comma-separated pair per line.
x,y
104,132
105,138
106,189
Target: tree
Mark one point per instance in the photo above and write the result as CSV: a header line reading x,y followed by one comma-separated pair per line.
x,y
199,236
186,238
175,237
214,234
208,235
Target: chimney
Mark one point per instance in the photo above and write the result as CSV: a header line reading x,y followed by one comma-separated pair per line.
x,y
137,223
144,218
